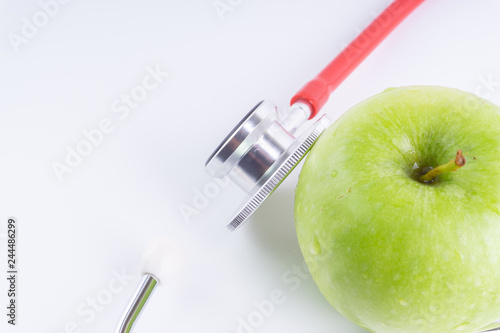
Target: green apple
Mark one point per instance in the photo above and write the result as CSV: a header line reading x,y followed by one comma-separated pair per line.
x,y
389,249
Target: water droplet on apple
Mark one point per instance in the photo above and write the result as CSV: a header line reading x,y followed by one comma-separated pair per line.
x,y
403,302
315,247
334,173
426,169
462,327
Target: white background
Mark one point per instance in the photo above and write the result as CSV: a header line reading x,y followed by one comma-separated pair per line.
x,y
76,233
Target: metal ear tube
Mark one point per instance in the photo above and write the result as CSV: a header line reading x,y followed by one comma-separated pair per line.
x,y
161,261
138,302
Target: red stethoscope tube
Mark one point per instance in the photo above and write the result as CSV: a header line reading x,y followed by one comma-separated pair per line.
x,y
316,92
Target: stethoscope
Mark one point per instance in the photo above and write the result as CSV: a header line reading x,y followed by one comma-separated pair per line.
x,y
260,152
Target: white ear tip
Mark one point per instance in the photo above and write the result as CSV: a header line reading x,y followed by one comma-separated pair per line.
x,y
163,258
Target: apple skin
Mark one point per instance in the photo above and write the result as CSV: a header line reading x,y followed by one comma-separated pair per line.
x,y
393,254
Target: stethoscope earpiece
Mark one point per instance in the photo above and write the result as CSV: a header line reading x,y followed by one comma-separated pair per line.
x,y
161,261
262,150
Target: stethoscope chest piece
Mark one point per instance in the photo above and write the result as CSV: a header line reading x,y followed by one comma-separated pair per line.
x,y
261,151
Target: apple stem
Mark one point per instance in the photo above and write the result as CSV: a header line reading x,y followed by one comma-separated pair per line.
x,y
453,165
